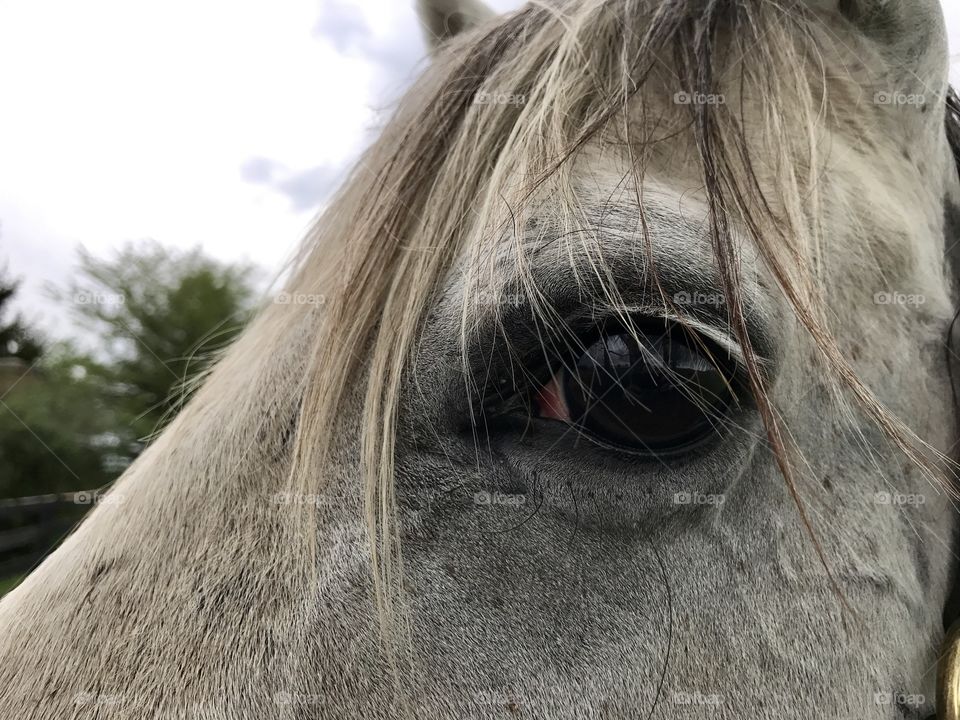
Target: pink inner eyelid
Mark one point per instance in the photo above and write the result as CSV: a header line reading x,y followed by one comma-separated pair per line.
x,y
551,403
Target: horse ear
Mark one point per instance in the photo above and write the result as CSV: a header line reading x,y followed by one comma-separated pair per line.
x,y
443,19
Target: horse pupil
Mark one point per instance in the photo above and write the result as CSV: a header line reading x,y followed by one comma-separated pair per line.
x,y
649,392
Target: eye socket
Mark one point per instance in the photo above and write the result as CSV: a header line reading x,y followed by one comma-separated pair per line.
x,y
655,391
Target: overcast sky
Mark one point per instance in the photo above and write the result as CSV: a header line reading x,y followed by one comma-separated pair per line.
x,y
224,124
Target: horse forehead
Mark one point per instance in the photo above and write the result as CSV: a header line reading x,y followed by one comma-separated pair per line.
x,y
879,226
663,224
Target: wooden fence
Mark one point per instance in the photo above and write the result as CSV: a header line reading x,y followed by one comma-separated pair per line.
x,y
30,527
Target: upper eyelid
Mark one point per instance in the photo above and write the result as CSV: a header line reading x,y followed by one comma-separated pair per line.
x,y
724,339
635,314
530,340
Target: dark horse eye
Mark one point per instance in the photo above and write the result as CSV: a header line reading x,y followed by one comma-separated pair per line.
x,y
657,392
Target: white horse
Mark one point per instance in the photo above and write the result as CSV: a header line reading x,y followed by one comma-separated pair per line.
x,y
615,383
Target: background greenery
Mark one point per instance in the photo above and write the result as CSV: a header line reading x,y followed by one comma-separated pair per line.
x,y
74,413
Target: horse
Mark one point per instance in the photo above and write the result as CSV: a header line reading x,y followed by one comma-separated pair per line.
x,y
614,382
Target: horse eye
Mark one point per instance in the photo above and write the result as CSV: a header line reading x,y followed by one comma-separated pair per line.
x,y
659,392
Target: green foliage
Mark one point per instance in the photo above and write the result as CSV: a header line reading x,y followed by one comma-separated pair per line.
x,y
72,419
159,315
16,339
9,583
58,431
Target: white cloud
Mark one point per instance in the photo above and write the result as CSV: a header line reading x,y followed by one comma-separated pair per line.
x,y
127,120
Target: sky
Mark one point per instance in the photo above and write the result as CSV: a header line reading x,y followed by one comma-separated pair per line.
x,y
212,123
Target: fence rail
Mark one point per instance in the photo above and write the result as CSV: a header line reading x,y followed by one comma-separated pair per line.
x,y
30,527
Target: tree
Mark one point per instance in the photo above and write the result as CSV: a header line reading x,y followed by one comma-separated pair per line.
x,y
50,420
76,417
16,339
58,432
157,314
